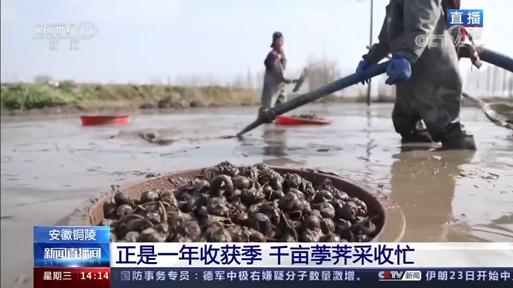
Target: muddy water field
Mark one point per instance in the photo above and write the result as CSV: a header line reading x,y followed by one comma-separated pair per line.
x,y
51,166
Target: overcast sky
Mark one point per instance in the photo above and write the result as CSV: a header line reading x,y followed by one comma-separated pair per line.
x,y
141,40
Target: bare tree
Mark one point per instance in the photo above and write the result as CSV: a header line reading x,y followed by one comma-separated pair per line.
x,y
321,72
249,79
42,79
259,80
238,81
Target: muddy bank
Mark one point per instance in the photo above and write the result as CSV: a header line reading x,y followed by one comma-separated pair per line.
x,y
67,97
50,165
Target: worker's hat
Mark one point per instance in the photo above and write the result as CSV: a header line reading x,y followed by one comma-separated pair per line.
x,y
276,35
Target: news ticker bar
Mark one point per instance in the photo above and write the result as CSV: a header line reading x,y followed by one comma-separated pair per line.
x,y
84,257
271,277
325,255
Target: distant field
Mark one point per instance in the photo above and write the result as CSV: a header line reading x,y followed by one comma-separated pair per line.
x,y
15,97
68,96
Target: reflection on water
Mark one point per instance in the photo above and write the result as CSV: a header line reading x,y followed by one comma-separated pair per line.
x,y
275,141
423,183
274,145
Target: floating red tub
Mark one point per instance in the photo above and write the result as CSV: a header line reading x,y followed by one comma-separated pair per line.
x,y
105,120
295,120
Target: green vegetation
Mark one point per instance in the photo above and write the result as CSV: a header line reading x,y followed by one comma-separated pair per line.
x,y
91,96
31,97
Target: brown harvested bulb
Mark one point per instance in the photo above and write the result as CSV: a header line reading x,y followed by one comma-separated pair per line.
x,y
340,195
272,211
256,236
251,196
177,221
239,214
251,172
220,185
291,202
239,233
261,223
201,214
226,168
308,189
188,231
276,181
109,209
124,210
273,178
131,236
134,224
217,206
247,204
122,198
362,207
327,210
332,237
154,217
342,225
185,191
327,226
364,226
300,195
343,229
149,196
192,230
108,222
216,233
201,185
312,222
267,190
323,196
347,211
288,236
362,238
169,198
271,194
152,235
241,182
311,235
291,180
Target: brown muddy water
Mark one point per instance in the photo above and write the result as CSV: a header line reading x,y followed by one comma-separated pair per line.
x,y
51,166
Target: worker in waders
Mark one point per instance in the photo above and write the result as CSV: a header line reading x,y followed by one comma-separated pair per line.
x,y
425,73
273,92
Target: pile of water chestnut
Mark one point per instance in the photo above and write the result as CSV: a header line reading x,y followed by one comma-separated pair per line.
x,y
239,204
308,116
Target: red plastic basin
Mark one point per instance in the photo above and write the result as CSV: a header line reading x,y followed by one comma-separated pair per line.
x,y
291,120
104,120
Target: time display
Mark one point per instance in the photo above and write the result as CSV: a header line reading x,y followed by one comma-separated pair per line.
x,y
98,275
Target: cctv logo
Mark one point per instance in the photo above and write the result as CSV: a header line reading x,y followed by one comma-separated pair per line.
x,y
83,30
400,275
